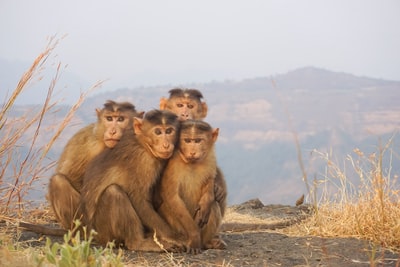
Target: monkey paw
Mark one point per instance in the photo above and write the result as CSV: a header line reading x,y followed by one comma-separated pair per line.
x,y
216,243
219,192
193,251
193,244
201,218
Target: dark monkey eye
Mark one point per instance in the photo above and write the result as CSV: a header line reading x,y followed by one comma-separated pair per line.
x,y
121,118
109,118
157,131
169,131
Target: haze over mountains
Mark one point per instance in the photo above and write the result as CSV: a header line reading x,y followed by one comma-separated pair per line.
x,y
259,119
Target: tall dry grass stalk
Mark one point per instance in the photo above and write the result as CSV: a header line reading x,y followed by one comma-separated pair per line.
x,y
370,210
23,159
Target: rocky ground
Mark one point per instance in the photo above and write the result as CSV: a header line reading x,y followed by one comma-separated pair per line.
x,y
253,233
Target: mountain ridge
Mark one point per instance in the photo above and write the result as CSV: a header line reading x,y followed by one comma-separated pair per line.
x,y
329,112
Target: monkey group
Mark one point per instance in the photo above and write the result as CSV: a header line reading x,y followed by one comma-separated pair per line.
x,y
148,181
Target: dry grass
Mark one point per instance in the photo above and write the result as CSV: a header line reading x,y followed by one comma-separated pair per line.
x,y
20,170
23,160
369,211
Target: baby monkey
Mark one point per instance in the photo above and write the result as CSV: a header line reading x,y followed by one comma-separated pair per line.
x,y
188,104
187,188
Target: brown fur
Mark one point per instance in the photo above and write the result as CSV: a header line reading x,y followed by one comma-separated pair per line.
x,y
178,102
187,188
118,185
65,185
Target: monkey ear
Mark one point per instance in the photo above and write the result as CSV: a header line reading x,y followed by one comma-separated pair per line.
x,y
140,114
163,103
98,111
204,108
137,125
214,134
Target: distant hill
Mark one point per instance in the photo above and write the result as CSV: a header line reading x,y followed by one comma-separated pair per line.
x,y
259,119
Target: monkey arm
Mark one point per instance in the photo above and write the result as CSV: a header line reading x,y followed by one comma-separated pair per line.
x,y
204,207
220,190
150,218
176,212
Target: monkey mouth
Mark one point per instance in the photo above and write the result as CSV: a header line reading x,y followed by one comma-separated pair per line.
x,y
112,139
111,142
192,159
164,155
188,159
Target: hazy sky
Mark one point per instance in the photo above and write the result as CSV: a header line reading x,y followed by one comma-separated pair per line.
x,y
135,43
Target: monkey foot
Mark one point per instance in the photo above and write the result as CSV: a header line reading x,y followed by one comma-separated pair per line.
x,y
216,243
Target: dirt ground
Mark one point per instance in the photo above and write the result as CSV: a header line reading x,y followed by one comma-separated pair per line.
x,y
253,235
264,245
261,248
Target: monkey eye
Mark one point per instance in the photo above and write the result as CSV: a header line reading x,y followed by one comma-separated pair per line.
x,y
190,106
169,130
109,118
187,140
197,140
121,118
157,131
179,105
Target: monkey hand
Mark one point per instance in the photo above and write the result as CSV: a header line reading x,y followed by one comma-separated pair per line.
x,y
219,192
201,216
193,251
175,246
193,245
176,243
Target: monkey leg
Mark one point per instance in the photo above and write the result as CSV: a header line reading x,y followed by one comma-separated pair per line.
x,y
64,200
190,239
116,220
209,233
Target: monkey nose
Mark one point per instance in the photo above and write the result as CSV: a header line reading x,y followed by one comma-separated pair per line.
x,y
166,145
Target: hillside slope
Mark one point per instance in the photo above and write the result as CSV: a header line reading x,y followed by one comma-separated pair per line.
x,y
260,118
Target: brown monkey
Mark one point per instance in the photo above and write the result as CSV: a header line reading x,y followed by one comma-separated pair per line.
x,y
118,185
65,185
187,104
187,188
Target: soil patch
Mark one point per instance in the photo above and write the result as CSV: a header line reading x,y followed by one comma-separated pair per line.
x,y
250,231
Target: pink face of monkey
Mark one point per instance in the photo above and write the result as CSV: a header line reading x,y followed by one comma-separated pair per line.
x,y
196,139
186,103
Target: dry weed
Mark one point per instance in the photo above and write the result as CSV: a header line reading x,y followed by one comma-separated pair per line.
x,y
23,160
370,210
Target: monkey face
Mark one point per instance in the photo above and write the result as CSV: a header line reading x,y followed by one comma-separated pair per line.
x,y
157,131
161,141
186,108
115,124
196,140
186,103
113,119
194,147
